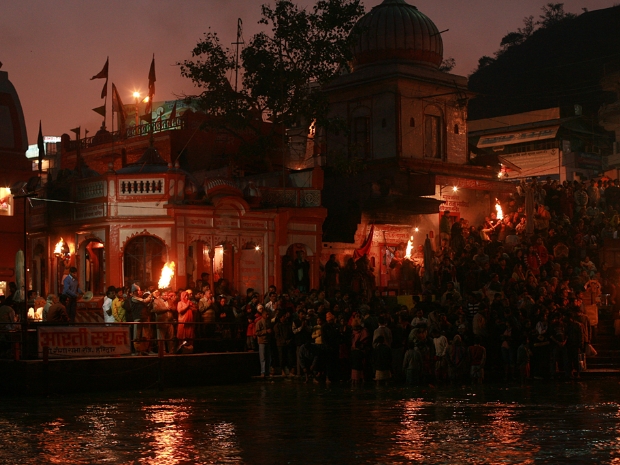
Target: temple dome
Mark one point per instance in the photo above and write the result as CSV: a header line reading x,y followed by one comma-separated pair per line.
x,y
395,30
13,136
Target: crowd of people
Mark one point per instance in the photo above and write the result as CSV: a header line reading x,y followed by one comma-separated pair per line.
x,y
516,297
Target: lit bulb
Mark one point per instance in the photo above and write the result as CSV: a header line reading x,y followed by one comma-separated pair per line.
x,y
417,229
454,189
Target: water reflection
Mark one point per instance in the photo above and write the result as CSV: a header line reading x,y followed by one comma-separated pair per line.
x,y
296,423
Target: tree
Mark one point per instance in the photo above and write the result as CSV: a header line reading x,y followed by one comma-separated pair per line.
x,y
282,69
553,13
447,65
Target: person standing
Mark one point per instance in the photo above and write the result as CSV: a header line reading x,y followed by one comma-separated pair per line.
x,y
71,288
140,314
118,312
164,318
445,227
108,315
186,331
332,276
263,333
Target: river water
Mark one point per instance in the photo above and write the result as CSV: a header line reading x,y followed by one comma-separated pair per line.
x,y
286,422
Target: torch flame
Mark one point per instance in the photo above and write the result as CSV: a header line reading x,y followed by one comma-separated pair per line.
x,y
498,208
409,248
166,275
58,248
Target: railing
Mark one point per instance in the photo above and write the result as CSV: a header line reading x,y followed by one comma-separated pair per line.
x,y
133,131
141,186
208,338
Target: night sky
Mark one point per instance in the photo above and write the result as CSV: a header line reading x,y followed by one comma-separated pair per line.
x,y
51,49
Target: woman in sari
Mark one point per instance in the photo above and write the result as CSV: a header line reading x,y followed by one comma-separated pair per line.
x,y
185,332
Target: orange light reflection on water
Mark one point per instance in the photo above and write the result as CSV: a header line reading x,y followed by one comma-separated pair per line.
x,y
461,433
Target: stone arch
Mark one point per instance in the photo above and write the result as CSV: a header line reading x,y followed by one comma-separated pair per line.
x,y
91,258
144,256
230,206
144,232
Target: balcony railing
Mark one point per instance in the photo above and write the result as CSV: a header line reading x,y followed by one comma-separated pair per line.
x,y
141,186
134,131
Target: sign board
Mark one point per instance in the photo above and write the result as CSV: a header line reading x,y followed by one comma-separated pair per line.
x,y
90,211
531,135
80,341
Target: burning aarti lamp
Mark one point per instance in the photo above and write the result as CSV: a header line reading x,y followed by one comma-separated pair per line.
x,y
62,250
166,276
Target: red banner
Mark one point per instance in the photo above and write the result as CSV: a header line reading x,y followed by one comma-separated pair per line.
x,y
80,341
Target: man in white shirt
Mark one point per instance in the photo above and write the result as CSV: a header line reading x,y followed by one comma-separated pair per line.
x,y
108,317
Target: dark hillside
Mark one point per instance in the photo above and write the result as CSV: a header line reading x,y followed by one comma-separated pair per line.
x,y
561,65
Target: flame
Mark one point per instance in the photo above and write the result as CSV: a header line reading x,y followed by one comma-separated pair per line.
x,y
166,275
58,248
409,248
498,208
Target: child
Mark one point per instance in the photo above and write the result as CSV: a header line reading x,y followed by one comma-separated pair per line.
x,y
477,357
382,360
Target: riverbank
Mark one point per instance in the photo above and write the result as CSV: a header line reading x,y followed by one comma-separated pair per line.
x,y
36,377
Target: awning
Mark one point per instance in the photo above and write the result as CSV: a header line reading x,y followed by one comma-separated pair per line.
x,y
393,209
530,135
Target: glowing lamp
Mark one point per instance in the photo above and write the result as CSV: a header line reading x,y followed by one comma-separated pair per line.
x,y
61,250
166,276
498,209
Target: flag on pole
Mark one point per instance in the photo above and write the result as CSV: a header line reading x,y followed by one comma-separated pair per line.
x,y
365,248
103,74
148,117
152,79
117,106
41,146
40,143
100,110
76,131
104,91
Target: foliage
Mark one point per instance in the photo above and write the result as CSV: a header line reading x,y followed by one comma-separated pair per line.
x,y
553,13
447,65
282,69
557,66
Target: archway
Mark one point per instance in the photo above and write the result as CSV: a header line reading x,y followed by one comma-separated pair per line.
x,y
224,268
143,260
92,264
